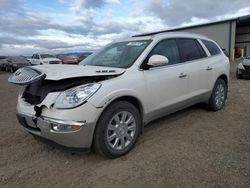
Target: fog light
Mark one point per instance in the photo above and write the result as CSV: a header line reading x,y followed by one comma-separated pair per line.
x,y
65,128
58,127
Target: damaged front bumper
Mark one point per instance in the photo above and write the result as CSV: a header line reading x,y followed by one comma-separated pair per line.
x,y
72,128
70,134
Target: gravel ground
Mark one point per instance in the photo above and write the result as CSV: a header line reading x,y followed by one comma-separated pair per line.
x,y
191,148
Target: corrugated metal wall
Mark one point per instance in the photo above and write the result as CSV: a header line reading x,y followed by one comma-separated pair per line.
x,y
222,33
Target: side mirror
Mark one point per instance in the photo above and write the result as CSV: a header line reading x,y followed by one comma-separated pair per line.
x,y
157,60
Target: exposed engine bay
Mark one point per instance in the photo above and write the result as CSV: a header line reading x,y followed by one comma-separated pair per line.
x,y
36,92
41,80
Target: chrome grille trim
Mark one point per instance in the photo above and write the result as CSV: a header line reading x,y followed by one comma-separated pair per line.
x,y
25,76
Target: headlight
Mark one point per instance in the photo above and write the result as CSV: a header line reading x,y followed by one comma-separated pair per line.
x,y
240,66
76,96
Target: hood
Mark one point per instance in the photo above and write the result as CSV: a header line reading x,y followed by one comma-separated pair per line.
x,y
59,72
246,62
51,59
27,75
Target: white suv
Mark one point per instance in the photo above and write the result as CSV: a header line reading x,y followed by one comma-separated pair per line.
x,y
106,100
41,59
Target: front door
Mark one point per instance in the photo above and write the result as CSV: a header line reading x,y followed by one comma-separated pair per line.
x,y
166,85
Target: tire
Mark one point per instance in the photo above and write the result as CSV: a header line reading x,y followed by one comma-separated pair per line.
x,y
118,133
218,96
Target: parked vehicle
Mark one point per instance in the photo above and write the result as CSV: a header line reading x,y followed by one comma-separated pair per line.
x,y
105,102
243,69
15,63
41,59
73,58
3,62
82,57
69,59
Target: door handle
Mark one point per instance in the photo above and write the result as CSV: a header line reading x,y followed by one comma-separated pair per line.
x,y
182,75
209,68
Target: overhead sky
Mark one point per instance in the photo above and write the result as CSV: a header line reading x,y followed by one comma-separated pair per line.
x,y
58,26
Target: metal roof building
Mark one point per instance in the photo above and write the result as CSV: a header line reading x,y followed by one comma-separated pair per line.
x,y
228,34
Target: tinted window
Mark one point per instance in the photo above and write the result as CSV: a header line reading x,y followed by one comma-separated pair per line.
x,y
190,50
202,52
167,48
212,47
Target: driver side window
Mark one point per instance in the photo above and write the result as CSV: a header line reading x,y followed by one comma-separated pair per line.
x,y
167,48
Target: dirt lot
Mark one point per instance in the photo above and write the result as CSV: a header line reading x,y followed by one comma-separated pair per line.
x,y
191,148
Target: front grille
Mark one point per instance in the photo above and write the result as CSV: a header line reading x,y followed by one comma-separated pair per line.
x,y
25,76
247,68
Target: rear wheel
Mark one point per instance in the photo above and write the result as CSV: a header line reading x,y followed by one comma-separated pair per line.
x,y
117,129
219,95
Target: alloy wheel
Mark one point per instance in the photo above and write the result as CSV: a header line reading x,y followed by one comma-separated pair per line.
x,y
121,130
219,95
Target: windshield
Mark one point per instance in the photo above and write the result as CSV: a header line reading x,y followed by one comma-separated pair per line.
x,y
46,56
248,57
120,54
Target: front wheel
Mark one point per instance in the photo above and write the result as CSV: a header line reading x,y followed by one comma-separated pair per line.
x,y
117,129
219,96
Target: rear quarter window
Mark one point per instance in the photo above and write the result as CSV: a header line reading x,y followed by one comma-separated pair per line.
x,y
212,47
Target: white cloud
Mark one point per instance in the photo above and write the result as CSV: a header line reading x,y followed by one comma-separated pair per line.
x,y
89,24
177,12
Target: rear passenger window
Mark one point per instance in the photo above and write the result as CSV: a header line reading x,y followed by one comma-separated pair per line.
x,y
190,50
212,47
167,48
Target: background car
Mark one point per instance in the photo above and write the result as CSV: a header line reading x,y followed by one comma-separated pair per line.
x,y
40,59
243,69
68,59
3,62
83,56
73,58
14,63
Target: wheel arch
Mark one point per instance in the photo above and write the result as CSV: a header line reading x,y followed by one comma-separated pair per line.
x,y
128,98
224,78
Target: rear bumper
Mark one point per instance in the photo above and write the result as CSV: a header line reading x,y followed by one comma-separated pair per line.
x,y
41,127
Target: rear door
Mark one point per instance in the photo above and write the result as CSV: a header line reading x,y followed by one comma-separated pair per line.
x,y
215,62
194,56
